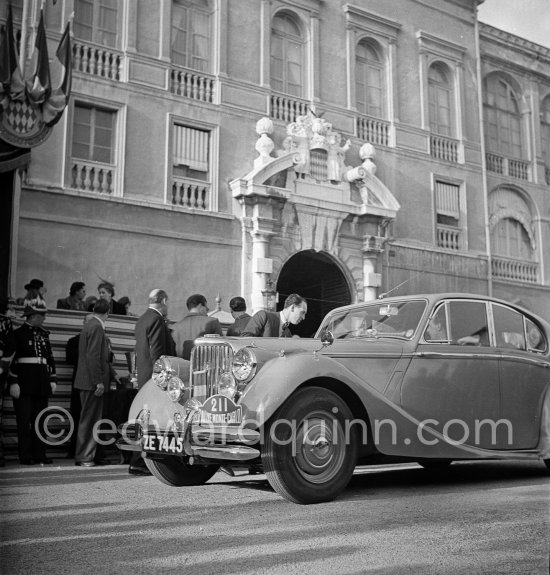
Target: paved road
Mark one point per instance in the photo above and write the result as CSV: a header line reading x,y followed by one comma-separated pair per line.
x,y
483,518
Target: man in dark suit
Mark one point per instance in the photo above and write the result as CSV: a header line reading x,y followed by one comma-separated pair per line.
x,y
237,305
275,324
93,377
153,339
195,324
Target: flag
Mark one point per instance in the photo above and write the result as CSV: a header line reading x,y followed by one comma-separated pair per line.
x,y
39,87
11,81
53,107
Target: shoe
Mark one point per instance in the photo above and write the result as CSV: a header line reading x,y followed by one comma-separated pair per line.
x,y
45,460
85,463
136,470
26,461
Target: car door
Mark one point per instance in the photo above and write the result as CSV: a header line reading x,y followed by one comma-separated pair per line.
x,y
453,376
524,375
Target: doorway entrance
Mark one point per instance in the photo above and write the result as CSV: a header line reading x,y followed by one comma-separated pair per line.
x,y
317,278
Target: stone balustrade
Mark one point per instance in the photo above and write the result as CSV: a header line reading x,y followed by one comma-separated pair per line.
x,y
97,60
449,238
191,84
507,166
286,108
93,177
518,270
190,193
442,148
373,131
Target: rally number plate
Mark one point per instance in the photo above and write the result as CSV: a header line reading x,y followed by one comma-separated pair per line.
x,y
220,410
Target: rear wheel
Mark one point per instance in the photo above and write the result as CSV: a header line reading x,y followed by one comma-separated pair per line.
x,y
175,471
306,455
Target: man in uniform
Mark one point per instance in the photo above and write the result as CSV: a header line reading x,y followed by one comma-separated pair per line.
x,y
32,380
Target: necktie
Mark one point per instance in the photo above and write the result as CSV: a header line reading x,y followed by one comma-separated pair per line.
x,y
284,328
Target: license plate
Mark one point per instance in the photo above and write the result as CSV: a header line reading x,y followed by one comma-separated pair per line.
x,y
163,444
220,410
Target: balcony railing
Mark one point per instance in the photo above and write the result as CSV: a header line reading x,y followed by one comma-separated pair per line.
x,y
518,270
286,108
507,166
93,177
97,60
373,131
444,149
190,193
191,84
449,238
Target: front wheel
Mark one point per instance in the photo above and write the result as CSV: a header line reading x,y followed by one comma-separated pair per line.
x,y
310,449
175,471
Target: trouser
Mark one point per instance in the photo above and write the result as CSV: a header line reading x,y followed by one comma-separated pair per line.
x,y
91,412
75,409
27,408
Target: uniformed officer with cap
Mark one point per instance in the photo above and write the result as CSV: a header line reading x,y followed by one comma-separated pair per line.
x,y
32,380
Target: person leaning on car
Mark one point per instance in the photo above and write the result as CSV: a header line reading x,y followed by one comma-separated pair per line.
x,y
275,324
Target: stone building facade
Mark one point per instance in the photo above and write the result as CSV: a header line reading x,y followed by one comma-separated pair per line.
x,y
263,147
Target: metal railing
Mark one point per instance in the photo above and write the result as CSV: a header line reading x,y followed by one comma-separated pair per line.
x,y
444,148
93,177
192,84
507,166
97,60
511,269
373,131
190,193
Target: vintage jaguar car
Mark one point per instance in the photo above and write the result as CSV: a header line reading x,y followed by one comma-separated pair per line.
x,y
429,378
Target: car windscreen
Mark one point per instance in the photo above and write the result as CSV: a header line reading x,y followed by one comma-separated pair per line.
x,y
380,319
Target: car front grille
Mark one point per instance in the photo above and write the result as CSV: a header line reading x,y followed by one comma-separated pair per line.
x,y
208,361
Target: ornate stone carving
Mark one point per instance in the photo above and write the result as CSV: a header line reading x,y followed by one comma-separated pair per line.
x,y
264,146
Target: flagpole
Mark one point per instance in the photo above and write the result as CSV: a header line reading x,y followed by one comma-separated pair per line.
x,y
24,25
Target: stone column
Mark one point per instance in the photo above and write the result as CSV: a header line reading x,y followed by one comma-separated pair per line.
x,y
262,266
372,280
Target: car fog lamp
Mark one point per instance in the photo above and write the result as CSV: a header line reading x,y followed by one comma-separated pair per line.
x,y
227,385
244,365
174,388
162,372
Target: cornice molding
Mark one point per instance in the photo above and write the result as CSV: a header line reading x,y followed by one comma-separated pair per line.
x,y
362,20
511,41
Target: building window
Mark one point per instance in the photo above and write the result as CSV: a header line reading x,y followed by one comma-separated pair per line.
x,y
502,118
510,239
97,21
440,95
190,42
287,56
191,168
93,164
369,80
447,213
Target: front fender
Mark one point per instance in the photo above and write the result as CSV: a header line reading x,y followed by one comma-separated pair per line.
x,y
152,398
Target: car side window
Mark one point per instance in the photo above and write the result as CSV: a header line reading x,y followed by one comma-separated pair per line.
x,y
436,330
535,337
468,323
509,330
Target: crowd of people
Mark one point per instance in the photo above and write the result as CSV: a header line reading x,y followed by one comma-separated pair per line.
x,y
27,363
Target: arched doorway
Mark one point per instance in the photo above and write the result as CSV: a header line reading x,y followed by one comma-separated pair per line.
x,y
315,276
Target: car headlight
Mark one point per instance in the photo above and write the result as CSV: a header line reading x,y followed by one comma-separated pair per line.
x,y
162,372
227,385
244,365
175,388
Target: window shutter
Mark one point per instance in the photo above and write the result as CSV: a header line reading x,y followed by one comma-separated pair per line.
x,y
191,148
447,202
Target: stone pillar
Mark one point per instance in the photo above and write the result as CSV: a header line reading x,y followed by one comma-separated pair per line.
x,y
262,266
372,280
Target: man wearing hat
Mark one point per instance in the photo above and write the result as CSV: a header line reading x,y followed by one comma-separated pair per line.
x,y
35,293
32,380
